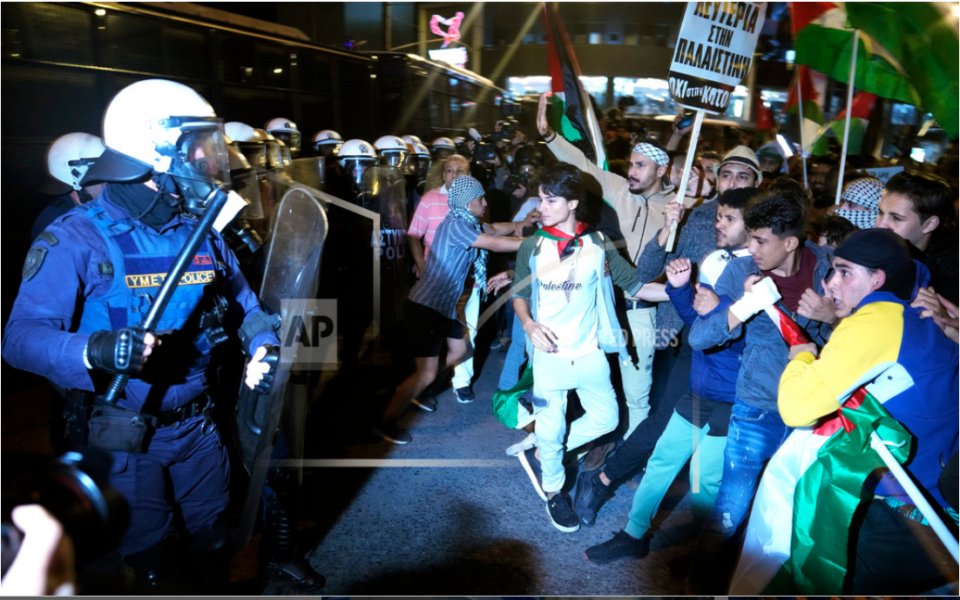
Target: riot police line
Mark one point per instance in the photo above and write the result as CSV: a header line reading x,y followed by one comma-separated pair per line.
x,y
303,230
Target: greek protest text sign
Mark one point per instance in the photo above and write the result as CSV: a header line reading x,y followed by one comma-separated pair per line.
x,y
713,52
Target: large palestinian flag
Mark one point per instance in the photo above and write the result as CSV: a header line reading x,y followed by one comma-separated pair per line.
x,y
908,51
797,534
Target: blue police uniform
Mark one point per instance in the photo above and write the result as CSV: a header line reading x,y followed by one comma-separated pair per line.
x,y
96,268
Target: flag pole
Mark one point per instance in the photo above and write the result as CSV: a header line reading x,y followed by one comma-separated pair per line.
x,y
846,123
687,166
915,495
803,143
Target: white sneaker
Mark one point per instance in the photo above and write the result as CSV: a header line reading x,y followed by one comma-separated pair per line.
x,y
523,445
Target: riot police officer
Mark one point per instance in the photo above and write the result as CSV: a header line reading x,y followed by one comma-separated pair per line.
x,y
327,143
68,159
287,132
87,283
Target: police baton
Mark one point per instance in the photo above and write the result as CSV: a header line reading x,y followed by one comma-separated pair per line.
x,y
170,282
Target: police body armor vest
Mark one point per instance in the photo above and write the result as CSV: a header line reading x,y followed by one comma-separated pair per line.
x,y
140,258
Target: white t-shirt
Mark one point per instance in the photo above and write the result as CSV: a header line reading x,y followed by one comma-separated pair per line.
x,y
567,296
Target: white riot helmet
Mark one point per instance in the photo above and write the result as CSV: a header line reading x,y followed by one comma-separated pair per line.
x,y
355,156
165,130
392,149
421,160
250,141
286,131
411,139
243,180
327,142
163,127
71,155
442,147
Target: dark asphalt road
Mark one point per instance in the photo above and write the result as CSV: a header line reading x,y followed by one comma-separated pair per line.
x,y
452,514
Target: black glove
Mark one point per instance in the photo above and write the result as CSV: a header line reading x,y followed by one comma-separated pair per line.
x,y
272,358
119,351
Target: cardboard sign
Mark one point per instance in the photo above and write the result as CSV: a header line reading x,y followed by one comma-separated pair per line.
x,y
713,53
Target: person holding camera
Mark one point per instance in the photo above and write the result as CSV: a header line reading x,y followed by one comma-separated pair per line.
x,y
89,281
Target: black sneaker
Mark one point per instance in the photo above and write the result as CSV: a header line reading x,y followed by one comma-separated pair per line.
x,y
619,546
392,433
590,496
464,395
531,464
561,513
426,403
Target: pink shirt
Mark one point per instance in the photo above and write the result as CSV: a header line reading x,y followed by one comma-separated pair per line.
x,y
431,211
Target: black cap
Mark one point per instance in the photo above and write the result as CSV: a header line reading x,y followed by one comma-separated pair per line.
x,y
116,167
884,250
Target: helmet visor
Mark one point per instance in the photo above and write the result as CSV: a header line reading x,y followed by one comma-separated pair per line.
x,y
290,138
394,159
246,183
202,155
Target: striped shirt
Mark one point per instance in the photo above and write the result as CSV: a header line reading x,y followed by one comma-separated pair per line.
x,y
447,267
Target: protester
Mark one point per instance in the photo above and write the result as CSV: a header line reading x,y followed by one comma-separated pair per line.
x,y
431,310
698,426
780,266
901,360
564,299
671,364
639,201
921,209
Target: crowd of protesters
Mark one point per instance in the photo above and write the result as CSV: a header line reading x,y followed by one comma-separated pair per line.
x,y
773,306
708,372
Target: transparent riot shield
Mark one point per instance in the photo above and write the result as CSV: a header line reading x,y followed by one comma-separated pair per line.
x,y
309,171
385,191
289,289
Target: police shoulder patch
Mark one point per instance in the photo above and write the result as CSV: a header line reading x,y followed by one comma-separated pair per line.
x,y
34,261
49,238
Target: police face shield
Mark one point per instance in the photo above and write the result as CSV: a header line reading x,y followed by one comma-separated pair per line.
x,y
394,159
256,155
290,139
246,183
201,165
355,168
422,166
440,154
328,150
285,155
274,155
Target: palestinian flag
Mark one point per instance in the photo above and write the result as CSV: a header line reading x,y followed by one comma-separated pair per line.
x,y
807,93
506,403
792,333
797,535
907,51
571,113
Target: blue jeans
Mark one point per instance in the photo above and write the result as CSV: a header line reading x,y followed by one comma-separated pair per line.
x,y
753,437
516,355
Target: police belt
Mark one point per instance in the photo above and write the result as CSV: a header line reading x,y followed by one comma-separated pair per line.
x,y
194,408
635,304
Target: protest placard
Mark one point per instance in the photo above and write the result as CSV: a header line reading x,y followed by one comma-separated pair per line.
x,y
713,53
